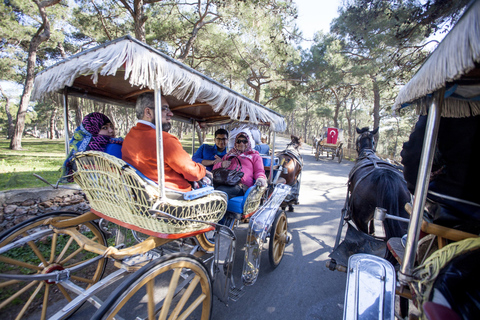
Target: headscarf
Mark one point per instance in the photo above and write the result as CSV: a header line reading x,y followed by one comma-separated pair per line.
x,y
248,148
86,137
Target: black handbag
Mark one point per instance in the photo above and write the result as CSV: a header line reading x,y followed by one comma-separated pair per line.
x,y
228,177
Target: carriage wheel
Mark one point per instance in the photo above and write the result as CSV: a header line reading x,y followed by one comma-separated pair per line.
x,y
172,287
206,240
50,253
278,239
340,155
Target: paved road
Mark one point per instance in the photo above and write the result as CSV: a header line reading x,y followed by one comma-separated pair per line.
x,y
301,287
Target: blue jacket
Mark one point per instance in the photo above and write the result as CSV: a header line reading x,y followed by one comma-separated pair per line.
x,y
207,152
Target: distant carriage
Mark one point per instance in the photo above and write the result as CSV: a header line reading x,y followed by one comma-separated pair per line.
x,y
331,142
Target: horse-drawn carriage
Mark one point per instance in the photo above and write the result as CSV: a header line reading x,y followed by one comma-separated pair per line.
x,y
331,141
55,262
439,256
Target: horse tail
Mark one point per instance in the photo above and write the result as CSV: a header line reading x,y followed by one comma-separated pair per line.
x,y
392,194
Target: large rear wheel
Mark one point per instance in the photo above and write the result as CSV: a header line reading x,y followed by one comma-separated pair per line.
x,y
278,239
174,286
42,255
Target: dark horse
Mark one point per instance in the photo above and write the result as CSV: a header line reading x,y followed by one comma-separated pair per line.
x,y
375,183
293,164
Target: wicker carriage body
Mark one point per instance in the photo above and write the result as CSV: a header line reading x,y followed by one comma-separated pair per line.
x,y
117,193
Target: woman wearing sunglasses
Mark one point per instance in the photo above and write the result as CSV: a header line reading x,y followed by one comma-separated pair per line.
x,y
251,163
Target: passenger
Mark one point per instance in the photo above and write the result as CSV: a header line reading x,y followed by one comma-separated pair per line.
x,y
260,146
96,132
252,166
209,155
139,148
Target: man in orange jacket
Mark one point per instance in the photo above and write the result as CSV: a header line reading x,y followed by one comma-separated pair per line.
x,y
139,147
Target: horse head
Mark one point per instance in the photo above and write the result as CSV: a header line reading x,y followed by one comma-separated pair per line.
x,y
295,142
366,139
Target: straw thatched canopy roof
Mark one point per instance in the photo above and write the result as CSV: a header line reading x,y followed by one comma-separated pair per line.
x,y
118,71
455,65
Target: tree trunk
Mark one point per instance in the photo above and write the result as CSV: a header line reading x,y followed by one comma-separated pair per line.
x,y
10,125
199,134
75,104
42,35
53,124
376,105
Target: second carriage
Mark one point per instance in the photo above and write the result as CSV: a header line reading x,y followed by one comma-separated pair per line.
x,y
330,143
186,240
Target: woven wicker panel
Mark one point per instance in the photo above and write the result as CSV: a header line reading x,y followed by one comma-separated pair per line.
x,y
253,201
116,190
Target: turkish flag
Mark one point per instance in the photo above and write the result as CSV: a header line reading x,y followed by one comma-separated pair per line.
x,y
332,135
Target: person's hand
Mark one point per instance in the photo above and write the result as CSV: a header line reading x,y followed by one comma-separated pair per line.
x,y
226,164
261,182
217,159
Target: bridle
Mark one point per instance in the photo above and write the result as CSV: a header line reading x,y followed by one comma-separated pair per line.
x,y
365,135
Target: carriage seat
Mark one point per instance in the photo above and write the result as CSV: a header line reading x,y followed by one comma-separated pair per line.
x,y
120,194
445,211
245,206
189,195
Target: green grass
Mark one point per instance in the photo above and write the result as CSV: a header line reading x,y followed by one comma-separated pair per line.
x,y
44,157
41,156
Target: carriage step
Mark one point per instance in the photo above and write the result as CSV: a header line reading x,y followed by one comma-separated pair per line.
x,y
236,293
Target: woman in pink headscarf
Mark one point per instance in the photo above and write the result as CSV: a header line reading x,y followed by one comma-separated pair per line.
x,y
95,133
252,166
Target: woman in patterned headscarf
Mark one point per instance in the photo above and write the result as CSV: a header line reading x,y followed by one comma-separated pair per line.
x,y
252,166
95,133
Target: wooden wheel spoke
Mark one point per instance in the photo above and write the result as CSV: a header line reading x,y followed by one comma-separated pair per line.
x,y
45,303
37,252
30,300
9,283
151,299
193,306
188,293
64,251
54,248
18,293
20,263
81,279
64,292
70,256
171,291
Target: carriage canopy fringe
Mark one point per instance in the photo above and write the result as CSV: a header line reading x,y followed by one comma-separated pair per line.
x,y
454,57
149,68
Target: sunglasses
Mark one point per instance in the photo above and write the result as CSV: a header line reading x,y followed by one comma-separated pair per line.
x,y
242,141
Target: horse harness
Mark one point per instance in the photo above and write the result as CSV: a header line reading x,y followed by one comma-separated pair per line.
x,y
294,155
367,158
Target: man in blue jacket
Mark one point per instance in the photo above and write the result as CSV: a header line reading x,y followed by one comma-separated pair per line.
x,y
209,155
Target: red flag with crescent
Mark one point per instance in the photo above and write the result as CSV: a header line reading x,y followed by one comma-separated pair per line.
x,y
332,135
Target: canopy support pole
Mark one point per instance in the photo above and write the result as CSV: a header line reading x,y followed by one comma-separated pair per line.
x,y
421,188
65,121
158,130
270,178
193,136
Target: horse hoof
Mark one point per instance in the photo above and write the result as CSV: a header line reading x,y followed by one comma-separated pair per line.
x,y
290,208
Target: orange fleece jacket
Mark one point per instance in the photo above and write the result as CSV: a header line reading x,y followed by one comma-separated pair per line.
x,y
139,149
